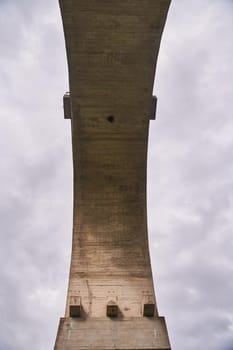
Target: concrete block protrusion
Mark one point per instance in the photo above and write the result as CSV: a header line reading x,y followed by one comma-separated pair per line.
x,y
153,108
67,105
149,310
112,309
75,306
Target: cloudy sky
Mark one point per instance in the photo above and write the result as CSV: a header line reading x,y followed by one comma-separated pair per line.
x,y
190,175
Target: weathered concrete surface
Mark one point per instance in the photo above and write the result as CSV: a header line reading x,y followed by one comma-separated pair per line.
x,y
107,334
112,48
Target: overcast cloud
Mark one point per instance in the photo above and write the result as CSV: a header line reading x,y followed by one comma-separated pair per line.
x,y
190,175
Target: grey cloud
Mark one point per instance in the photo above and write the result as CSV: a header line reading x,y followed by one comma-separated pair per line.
x,y
189,175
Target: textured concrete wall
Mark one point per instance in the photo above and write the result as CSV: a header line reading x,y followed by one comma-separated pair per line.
x,y
112,48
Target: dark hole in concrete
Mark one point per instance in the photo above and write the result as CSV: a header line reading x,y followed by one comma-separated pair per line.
x,y
110,118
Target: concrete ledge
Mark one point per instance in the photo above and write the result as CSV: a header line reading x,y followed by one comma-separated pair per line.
x,y
108,334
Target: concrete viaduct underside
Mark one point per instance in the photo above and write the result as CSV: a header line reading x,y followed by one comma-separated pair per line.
x,y
112,48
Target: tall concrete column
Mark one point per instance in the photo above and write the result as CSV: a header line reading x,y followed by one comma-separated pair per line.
x,y
112,48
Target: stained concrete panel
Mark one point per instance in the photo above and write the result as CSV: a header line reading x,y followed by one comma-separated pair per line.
x,y
128,334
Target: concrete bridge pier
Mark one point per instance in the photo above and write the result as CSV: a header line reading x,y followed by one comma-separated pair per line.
x,y
112,48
